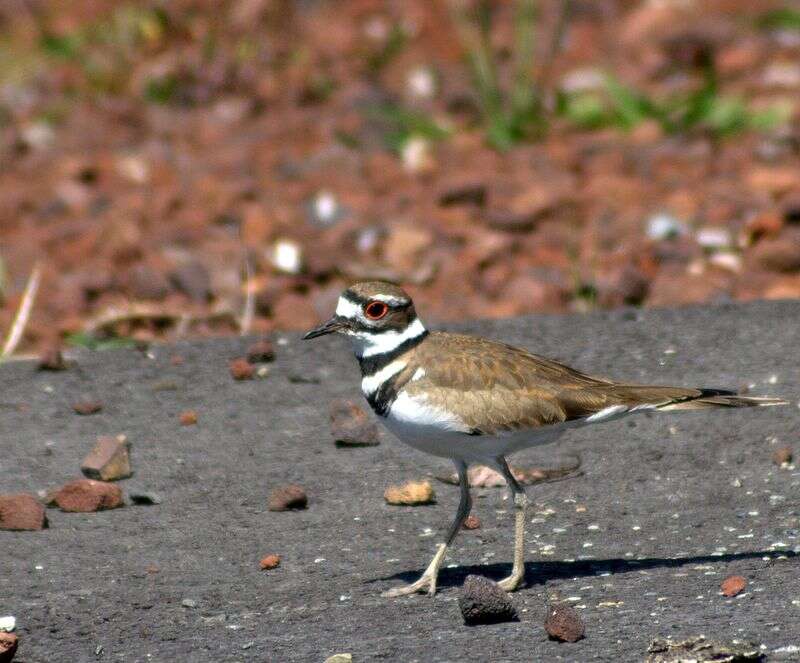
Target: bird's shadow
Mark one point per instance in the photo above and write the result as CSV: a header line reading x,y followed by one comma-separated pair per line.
x,y
537,573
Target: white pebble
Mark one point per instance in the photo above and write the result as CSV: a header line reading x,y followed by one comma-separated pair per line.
x,y
8,623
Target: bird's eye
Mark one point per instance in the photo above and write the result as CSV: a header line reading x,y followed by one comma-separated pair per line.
x,y
376,310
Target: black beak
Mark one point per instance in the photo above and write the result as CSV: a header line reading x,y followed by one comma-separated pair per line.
x,y
333,325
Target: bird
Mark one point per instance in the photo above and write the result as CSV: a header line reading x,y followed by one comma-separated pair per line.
x,y
475,401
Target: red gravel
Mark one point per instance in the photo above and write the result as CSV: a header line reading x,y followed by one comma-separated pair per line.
x,y
269,562
8,646
351,426
241,369
472,522
564,623
87,495
21,512
288,497
109,460
188,418
733,585
782,455
87,407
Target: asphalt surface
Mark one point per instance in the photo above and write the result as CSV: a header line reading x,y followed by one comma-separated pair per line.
x,y
667,506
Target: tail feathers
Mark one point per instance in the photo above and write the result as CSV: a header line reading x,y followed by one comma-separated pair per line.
x,y
702,399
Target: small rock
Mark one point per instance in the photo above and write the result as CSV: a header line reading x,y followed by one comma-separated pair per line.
x,y
664,226
698,650
87,495
288,497
21,512
241,369
188,418
340,658
8,623
192,278
87,407
109,460
189,603
51,359
412,493
733,585
782,455
472,522
261,351
351,426
144,498
416,155
287,256
324,209
269,562
8,647
482,601
563,623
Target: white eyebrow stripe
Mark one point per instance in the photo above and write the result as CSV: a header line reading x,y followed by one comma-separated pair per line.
x,y
389,299
348,309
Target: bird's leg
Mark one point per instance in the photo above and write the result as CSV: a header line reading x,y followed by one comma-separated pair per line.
x,y
520,502
427,581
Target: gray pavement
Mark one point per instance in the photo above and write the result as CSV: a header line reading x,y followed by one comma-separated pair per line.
x,y
666,508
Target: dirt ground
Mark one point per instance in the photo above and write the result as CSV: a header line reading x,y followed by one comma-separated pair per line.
x,y
667,506
164,159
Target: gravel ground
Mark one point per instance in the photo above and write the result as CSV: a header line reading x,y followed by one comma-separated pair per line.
x,y
667,507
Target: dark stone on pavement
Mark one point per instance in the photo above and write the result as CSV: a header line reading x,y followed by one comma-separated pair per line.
x,y
87,495
563,623
261,351
482,601
351,426
287,498
21,512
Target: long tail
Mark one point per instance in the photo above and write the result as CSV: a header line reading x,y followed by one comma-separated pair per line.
x,y
701,399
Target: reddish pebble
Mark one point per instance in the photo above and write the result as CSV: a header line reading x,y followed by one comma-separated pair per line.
x,y
176,360
733,585
563,623
188,418
86,495
21,512
261,351
284,498
241,369
269,562
87,407
472,522
782,455
51,359
8,646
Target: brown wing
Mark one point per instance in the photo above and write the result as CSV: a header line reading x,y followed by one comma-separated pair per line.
x,y
495,387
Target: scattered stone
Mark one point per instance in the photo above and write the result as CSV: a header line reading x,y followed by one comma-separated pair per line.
x,y
241,369
340,658
8,623
412,493
270,562
563,623
482,601
733,585
782,455
87,495
87,407
698,650
261,351
109,460
8,647
21,512
189,603
472,522
144,498
351,426
288,497
188,418
51,359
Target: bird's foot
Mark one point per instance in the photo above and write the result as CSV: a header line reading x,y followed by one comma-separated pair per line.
x,y
426,583
511,583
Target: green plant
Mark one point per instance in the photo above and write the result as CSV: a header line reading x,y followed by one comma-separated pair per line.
x,y
511,115
624,107
93,342
784,18
402,124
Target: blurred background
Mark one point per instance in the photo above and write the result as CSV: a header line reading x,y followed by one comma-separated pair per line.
x,y
192,167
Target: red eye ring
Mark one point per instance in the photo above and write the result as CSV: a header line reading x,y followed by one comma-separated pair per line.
x,y
375,310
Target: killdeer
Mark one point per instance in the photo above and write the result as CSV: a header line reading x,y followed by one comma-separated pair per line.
x,y
476,401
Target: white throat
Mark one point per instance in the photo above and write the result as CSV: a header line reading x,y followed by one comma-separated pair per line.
x,y
369,344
